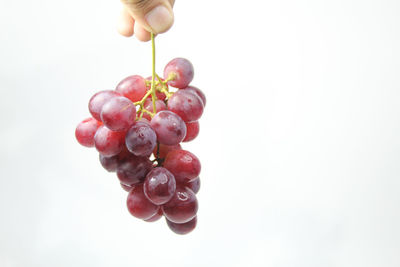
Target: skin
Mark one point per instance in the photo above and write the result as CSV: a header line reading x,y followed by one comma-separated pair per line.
x,y
133,19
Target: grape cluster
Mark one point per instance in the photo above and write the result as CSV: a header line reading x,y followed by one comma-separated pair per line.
x,y
137,130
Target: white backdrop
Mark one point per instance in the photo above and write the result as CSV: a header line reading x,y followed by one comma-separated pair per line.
x,y
299,143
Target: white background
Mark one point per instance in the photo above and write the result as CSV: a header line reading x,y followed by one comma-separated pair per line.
x,y
299,143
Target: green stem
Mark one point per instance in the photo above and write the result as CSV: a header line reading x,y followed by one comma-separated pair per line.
x,y
153,76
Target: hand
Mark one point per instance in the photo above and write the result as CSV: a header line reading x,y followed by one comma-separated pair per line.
x,y
140,17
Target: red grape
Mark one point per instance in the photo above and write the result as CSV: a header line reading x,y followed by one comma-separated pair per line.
x,y
156,216
159,185
86,130
141,139
148,105
182,228
109,143
169,127
198,92
118,113
109,163
187,104
132,87
138,205
182,207
164,149
184,165
183,71
192,131
133,170
98,100
127,188
194,185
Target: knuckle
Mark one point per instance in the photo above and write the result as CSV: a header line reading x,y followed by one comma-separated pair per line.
x,y
136,3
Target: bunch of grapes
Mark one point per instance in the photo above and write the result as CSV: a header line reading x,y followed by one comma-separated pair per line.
x,y
137,129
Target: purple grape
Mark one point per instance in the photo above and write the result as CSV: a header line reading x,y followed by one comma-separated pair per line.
x,y
133,170
182,207
141,139
182,228
194,185
159,185
169,127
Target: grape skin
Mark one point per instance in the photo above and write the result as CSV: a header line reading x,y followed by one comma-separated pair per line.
x,y
109,143
187,104
169,127
163,150
133,170
139,206
156,216
141,139
182,228
148,105
118,114
183,71
159,185
198,92
182,207
184,165
97,101
192,131
194,185
86,130
132,87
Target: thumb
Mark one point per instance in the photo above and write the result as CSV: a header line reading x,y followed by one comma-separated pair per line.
x,y
154,15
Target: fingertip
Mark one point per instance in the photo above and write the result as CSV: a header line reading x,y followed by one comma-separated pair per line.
x,y
141,33
125,24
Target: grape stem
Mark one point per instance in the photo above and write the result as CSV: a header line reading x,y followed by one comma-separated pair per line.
x,y
153,75
156,85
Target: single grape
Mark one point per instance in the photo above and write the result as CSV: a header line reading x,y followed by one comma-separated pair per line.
x,y
132,87
192,131
156,216
148,105
198,92
182,207
98,100
109,143
141,139
182,70
187,104
159,185
127,188
86,130
185,166
118,114
109,163
138,205
194,185
182,228
163,150
133,170
169,127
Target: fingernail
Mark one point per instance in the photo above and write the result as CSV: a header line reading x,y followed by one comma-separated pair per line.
x,y
159,19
